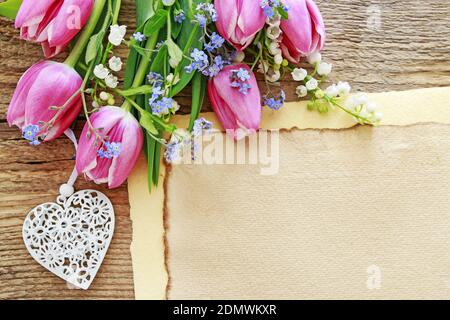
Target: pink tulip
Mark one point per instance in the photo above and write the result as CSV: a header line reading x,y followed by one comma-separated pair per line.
x,y
109,154
304,31
239,21
52,23
236,99
46,97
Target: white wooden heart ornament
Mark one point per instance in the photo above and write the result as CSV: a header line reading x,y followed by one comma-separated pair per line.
x,y
70,238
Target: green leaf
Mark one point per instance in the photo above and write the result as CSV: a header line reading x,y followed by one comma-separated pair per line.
x,y
156,22
130,70
185,77
142,51
160,60
93,47
198,95
175,53
150,152
156,161
189,38
144,10
146,122
176,29
9,8
137,91
284,15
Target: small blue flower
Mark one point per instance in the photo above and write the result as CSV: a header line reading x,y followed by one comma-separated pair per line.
x,y
173,151
216,41
154,78
199,55
156,93
270,7
190,68
201,125
162,107
138,36
220,62
179,16
200,63
114,148
243,74
244,88
275,104
30,133
110,150
205,13
202,20
239,79
102,154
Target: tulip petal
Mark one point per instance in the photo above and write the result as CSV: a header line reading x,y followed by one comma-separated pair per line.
x,y
32,10
71,18
304,31
245,107
221,108
251,20
235,110
132,140
34,26
16,110
239,21
54,86
298,27
106,118
318,25
227,17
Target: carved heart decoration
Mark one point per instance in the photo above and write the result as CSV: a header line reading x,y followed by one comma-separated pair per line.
x,y
70,238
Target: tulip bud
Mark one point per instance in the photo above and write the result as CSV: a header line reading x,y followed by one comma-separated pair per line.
x,y
304,31
239,21
52,23
108,152
236,99
46,98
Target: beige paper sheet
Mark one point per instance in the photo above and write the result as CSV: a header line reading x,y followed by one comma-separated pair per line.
x,y
343,202
399,108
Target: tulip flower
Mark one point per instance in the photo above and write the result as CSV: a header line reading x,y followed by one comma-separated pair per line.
x,y
236,99
239,21
52,23
46,101
109,146
304,31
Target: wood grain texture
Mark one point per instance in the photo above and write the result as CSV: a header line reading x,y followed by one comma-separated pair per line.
x,y
376,45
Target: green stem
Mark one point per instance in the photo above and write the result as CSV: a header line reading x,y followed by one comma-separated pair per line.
x,y
169,24
364,120
143,66
83,40
116,11
114,16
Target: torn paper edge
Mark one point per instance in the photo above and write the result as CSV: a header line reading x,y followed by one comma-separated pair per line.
x,y
148,248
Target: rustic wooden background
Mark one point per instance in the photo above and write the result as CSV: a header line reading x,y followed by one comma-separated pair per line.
x,y
378,46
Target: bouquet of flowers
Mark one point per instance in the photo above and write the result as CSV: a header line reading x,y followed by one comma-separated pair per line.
x,y
208,46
